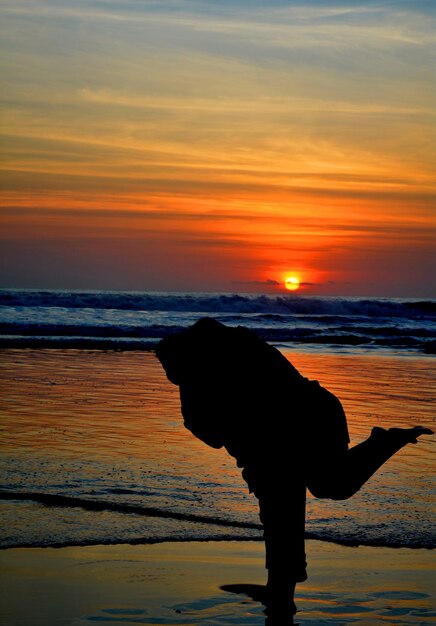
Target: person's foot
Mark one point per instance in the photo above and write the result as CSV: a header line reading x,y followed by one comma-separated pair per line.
x,y
409,435
402,436
276,616
279,598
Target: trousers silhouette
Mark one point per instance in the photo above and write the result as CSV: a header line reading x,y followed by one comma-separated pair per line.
x,y
334,474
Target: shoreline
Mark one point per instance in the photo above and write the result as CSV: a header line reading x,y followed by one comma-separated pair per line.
x,y
225,539
61,502
180,583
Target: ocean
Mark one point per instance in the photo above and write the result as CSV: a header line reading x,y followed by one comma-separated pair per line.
x,y
93,449
136,321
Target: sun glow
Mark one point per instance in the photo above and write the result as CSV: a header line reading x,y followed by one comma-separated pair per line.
x,y
292,283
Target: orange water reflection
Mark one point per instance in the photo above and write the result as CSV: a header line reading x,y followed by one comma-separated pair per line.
x,y
76,401
118,410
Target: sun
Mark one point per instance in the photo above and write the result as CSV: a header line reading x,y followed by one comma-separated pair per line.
x,y
292,283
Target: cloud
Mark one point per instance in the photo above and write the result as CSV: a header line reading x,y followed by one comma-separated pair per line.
x,y
269,282
258,128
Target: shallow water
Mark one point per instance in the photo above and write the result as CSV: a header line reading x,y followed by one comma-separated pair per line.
x,y
106,427
176,584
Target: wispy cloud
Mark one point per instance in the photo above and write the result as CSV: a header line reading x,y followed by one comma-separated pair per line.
x,y
297,127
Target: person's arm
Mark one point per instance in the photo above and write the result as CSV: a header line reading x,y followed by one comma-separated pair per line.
x,y
200,416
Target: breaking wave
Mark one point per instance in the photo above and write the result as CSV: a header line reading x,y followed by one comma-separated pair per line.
x,y
220,303
136,321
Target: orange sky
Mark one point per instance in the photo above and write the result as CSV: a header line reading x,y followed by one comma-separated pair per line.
x,y
218,146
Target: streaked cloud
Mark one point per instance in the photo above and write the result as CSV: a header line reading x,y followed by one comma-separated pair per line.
x,y
224,122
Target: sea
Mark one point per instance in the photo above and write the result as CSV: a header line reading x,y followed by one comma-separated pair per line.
x,y
93,448
136,320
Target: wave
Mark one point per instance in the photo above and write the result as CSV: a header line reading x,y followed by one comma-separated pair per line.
x,y
156,331
54,500
83,337
136,321
221,303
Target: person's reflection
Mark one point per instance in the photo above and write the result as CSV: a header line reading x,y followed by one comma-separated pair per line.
x,y
287,433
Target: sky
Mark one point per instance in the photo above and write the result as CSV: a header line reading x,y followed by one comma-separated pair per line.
x,y
217,145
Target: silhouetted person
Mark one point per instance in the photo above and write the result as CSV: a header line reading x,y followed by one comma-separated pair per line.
x,y
285,432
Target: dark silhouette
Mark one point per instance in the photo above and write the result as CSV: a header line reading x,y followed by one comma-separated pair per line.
x,y
287,433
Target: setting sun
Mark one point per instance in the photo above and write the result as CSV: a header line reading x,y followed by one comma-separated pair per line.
x,y
292,283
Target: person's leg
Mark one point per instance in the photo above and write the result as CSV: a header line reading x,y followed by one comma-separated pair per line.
x,y
282,513
341,477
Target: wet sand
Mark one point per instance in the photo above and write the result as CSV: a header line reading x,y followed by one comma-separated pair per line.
x,y
179,583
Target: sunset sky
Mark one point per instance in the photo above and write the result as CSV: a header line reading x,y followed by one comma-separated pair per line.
x,y
219,145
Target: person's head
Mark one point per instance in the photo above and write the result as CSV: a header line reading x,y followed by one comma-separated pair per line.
x,y
185,355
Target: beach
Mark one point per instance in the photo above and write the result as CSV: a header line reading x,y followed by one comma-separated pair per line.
x,y
179,583
194,191
152,522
